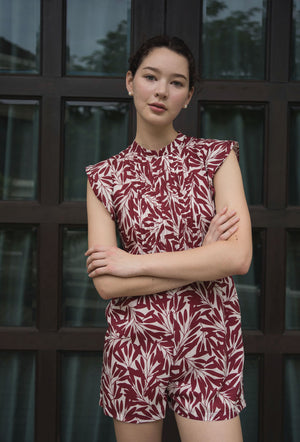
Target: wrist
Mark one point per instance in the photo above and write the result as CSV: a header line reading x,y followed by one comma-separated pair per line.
x,y
142,265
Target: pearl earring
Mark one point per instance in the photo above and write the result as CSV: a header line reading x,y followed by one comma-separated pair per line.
x,y
185,106
130,94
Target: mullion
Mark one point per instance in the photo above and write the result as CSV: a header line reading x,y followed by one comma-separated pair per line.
x,y
281,21
272,405
148,19
50,151
46,396
275,281
52,38
277,153
48,277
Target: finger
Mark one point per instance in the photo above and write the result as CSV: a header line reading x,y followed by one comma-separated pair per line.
x,y
95,249
95,256
228,234
225,222
222,217
100,264
226,216
230,223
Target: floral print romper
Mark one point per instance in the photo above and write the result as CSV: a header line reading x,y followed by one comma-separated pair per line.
x,y
183,346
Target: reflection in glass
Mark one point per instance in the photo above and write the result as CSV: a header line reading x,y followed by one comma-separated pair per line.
x,y
295,73
294,158
292,399
19,142
244,123
82,306
18,275
98,37
93,132
292,307
233,39
81,417
20,36
249,286
250,416
17,396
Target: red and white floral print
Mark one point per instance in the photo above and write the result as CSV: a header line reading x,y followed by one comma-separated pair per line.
x,y
183,346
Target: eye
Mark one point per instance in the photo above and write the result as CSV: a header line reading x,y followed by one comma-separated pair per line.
x,y
177,83
150,77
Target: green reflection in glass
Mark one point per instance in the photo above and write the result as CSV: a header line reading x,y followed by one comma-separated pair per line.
x,y
19,142
20,36
93,132
250,416
292,307
82,306
233,39
98,37
81,417
295,71
17,396
18,275
244,123
292,399
249,286
294,158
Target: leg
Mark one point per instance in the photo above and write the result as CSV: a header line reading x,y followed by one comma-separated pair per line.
x,y
147,432
191,430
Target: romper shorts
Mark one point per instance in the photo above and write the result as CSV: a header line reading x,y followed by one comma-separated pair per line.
x,y
183,348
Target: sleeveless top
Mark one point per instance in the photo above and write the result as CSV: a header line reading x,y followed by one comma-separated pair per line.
x,y
161,201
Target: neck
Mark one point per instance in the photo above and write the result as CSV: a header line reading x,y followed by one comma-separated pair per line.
x,y
153,137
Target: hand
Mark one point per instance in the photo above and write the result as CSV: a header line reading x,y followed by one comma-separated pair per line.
x,y
111,261
222,226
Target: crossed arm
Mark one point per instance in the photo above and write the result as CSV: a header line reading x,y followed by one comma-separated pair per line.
x,y
227,248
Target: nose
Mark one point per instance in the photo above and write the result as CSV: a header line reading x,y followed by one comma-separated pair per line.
x,y
161,89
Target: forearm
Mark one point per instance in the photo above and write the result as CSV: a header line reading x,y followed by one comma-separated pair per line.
x,y
109,286
207,263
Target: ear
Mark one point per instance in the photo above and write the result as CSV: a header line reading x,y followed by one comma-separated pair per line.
x,y
189,97
129,82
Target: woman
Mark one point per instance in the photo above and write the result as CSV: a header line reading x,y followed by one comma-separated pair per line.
x,y
174,330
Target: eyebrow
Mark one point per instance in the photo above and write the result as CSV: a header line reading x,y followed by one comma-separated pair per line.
x,y
158,71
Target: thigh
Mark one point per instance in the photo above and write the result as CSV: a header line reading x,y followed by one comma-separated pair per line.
x,y
146,432
191,430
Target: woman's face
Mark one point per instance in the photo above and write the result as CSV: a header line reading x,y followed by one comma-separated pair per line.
x,y
160,86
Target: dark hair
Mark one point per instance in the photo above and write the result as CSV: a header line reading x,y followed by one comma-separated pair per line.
x,y
174,44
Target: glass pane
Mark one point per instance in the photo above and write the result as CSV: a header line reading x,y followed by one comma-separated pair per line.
x,y
250,416
292,399
292,307
82,419
295,74
82,306
98,37
244,123
249,286
20,36
18,275
93,132
294,158
19,144
234,39
17,396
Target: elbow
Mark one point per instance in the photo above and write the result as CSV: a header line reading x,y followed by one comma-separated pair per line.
x,y
243,264
103,288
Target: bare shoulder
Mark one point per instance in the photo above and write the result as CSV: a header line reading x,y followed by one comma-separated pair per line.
x,y
101,227
228,181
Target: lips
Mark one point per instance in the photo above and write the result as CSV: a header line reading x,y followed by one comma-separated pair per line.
x,y
158,107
